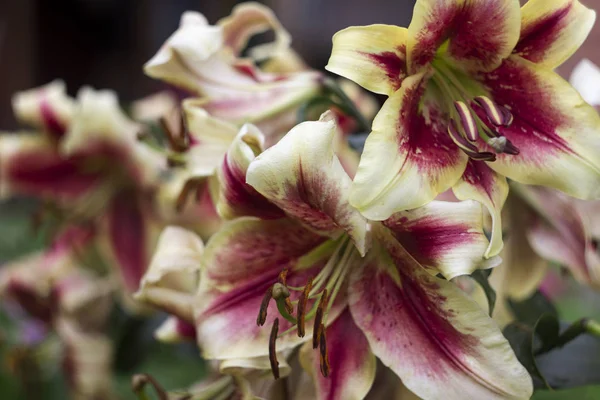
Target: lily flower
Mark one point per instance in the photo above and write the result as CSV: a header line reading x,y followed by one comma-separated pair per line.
x,y
472,101
321,274
85,160
204,60
52,287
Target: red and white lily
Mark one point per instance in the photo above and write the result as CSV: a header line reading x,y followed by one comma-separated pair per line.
x,y
52,287
304,256
472,100
86,160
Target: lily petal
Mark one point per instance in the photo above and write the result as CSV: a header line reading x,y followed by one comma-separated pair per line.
x,y
408,158
482,184
303,176
479,33
561,235
47,107
30,165
240,263
129,238
175,330
552,30
352,362
443,235
172,277
585,78
554,129
373,56
431,334
248,19
236,197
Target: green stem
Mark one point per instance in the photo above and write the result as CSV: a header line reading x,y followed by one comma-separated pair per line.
x,y
577,328
283,311
347,105
592,327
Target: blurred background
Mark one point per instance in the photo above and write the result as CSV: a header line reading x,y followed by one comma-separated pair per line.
x,y
104,43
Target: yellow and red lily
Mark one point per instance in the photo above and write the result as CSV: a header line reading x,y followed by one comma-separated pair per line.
x,y
302,256
85,159
472,101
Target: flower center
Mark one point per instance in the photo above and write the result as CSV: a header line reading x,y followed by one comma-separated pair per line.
x,y
474,117
315,299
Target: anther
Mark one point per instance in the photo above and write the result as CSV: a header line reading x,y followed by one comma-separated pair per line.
x,y
458,139
503,145
262,313
482,156
179,141
324,358
491,109
506,116
318,326
467,121
302,301
272,350
283,279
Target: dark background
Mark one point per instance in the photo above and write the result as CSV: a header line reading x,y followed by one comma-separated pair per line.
x,y
104,43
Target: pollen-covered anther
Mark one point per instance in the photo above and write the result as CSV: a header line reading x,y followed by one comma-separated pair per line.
x,y
502,145
272,349
262,313
467,147
302,302
324,358
318,326
467,121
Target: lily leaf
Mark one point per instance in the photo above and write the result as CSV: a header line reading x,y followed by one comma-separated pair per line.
x,y
530,310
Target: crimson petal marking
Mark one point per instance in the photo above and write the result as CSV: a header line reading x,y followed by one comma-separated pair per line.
x,y
443,235
373,56
479,33
302,175
409,158
432,335
482,184
556,131
352,362
240,263
236,197
552,30
30,165
127,228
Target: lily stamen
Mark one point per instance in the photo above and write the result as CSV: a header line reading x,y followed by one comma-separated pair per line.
x,y
262,313
302,307
272,350
324,358
318,325
467,121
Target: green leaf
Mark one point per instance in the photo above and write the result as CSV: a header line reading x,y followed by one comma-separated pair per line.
x,y
521,338
482,278
530,310
17,234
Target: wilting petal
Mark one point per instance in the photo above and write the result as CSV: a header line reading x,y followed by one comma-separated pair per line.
x,y
552,30
248,19
172,277
443,235
303,176
431,334
240,263
236,197
351,360
479,33
175,330
47,107
585,78
561,235
554,129
30,165
408,158
373,56
489,188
